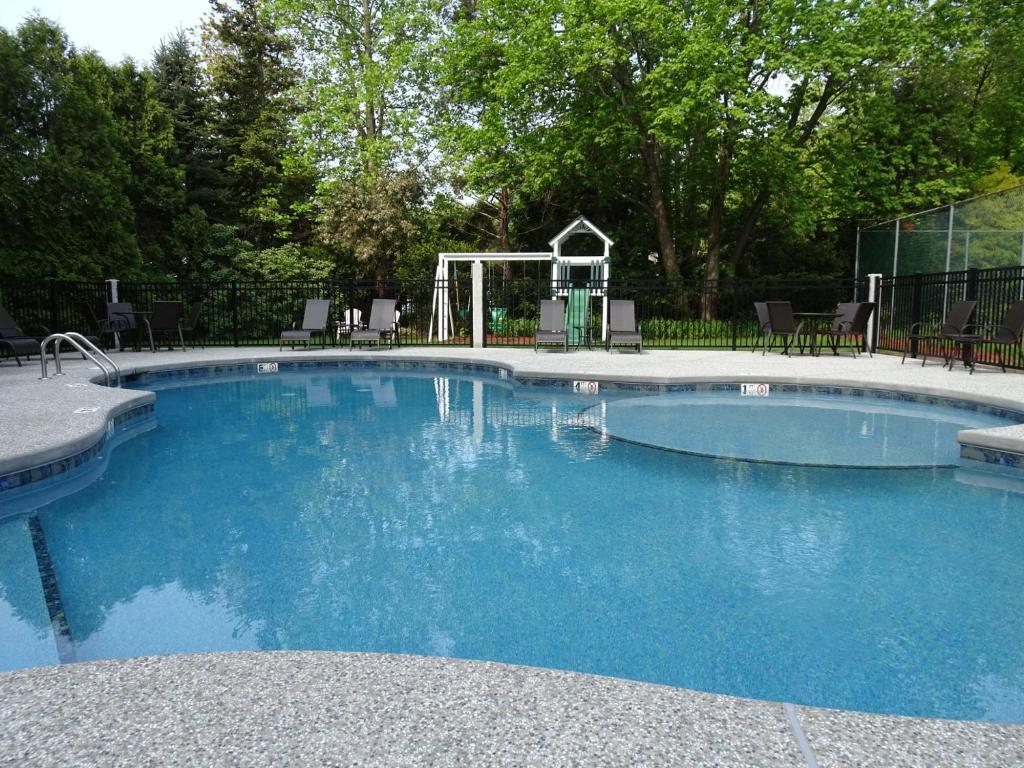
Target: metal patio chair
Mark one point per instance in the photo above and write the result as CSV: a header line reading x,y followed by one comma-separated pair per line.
x,y
191,328
622,327
165,320
551,328
852,324
957,321
314,323
782,323
383,324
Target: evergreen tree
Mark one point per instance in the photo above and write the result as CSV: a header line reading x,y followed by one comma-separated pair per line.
x,y
251,78
64,207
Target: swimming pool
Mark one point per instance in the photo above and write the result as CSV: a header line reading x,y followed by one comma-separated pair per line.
x,y
462,516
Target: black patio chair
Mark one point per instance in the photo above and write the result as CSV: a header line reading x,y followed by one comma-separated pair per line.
x,y
957,321
1006,334
852,324
14,341
100,329
381,325
782,323
165,320
121,317
191,328
622,327
314,323
763,324
551,328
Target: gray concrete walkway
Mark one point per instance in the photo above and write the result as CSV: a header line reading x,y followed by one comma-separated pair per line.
x,y
340,709
326,709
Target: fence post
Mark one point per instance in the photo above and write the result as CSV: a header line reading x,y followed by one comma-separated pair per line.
x,y
896,250
915,311
949,238
234,312
972,284
874,295
856,263
478,303
55,323
735,309
112,291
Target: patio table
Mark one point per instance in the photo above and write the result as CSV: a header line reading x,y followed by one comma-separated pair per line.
x,y
814,320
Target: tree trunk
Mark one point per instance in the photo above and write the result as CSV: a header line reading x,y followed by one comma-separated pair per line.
x,y
659,208
504,203
650,155
716,214
753,215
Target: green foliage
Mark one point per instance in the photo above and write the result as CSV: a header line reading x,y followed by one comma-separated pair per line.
x,y
372,217
361,87
64,203
305,137
251,76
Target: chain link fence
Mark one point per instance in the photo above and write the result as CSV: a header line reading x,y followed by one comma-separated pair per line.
x,y
981,233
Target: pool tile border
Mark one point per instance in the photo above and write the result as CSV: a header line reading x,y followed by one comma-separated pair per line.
x,y
62,469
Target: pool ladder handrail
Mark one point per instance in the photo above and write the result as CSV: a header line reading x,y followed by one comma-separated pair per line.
x,y
73,338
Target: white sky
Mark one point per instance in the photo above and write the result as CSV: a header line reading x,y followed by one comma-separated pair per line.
x,y
114,28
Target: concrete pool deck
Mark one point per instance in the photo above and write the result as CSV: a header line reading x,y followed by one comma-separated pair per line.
x,y
366,709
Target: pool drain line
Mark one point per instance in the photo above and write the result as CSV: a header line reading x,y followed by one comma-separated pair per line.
x,y
51,593
801,737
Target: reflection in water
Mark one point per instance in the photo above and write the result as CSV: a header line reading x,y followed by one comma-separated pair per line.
x,y
798,429
460,517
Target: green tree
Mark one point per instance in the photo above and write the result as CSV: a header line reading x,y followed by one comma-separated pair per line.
x,y
252,75
363,80
156,183
64,207
706,110
181,88
373,217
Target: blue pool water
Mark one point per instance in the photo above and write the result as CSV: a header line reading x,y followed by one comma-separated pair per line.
x,y
460,517
791,428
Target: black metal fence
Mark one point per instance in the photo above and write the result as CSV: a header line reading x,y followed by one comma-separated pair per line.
x,y
906,300
671,314
236,313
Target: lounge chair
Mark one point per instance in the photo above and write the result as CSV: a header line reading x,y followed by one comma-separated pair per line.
x,y
622,327
957,321
379,327
13,340
314,323
1008,333
852,324
551,328
165,319
781,323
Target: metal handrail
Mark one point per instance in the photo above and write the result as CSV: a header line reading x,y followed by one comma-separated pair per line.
x,y
56,355
97,350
